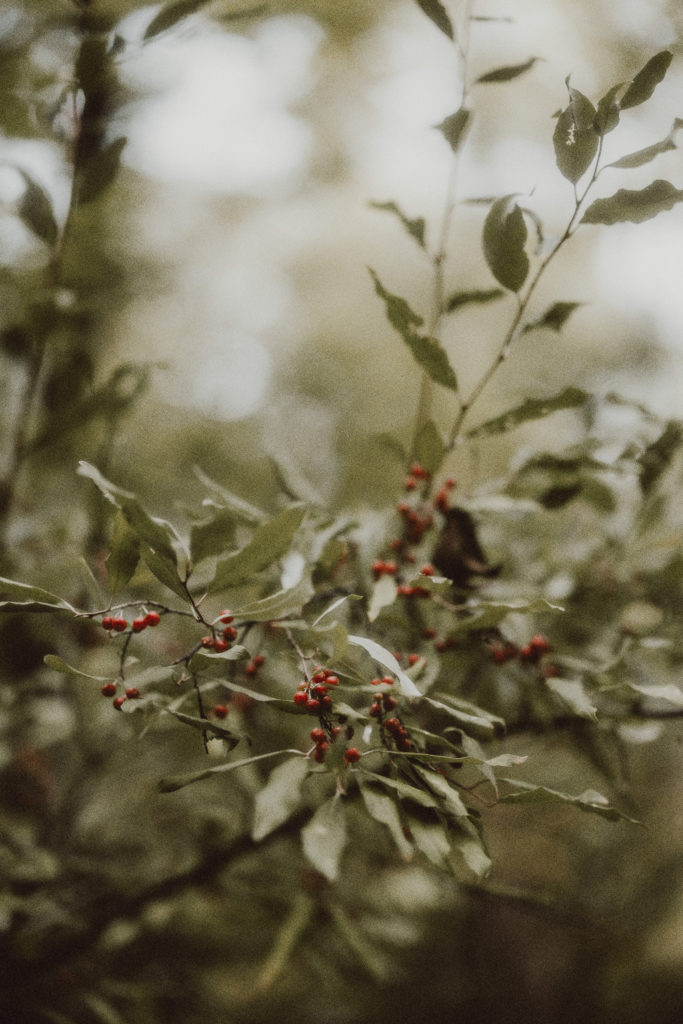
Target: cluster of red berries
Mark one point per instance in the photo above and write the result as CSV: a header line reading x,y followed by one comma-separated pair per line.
x,y
398,733
531,654
313,695
109,690
416,472
415,525
384,703
118,624
380,568
252,667
442,499
224,642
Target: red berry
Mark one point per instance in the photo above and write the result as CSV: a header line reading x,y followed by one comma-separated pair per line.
x,y
132,692
427,570
300,697
410,483
389,680
258,660
319,676
312,704
393,725
208,641
318,735
388,702
119,624
153,618
390,568
418,471
107,621
319,690
320,751
139,624
326,702
250,669
413,659
118,702
375,682
336,729
375,711
539,643
429,632
351,755
229,633
332,680
226,616
108,690
220,711
221,645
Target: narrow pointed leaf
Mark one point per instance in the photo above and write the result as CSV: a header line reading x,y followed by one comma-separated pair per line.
x,y
415,228
384,657
383,594
270,542
504,237
589,801
324,838
58,664
243,511
171,783
609,108
472,851
532,409
203,725
507,73
431,839
449,798
635,206
280,796
478,297
555,317
15,596
212,535
124,554
573,696
428,352
644,156
35,209
454,127
657,457
436,12
278,605
382,808
404,790
170,14
430,448
647,80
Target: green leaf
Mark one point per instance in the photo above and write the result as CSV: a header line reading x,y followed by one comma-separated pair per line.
x,y
634,205
430,449
171,783
468,716
278,605
203,725
100,170
431,839
404,790
243,511
426,351
589,801
436,12
280,796
575,138
573,696
21,597
487,614
383,809
124,554
383,594
449,799
644,156
324,838
269,543
478,296
454,127
164,570
59,665
384,657
532,409
211,536
471,849
213,661
609,108
555,317
170,14
504,237
415,228
647,79
505,74
35,210
657,457
669,692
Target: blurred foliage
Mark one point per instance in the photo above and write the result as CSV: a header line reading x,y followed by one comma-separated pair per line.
x,y
190,855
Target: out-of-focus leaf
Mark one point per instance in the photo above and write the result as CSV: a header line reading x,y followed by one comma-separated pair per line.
x,y
575,137
244,511
278,605
415,228
58,664
383,594
449,798
647,80
437,13
124,553
280,796
384,657
656,458
505,74
573,696
100,170
170,14
644,156
504,237
404,789
35,209
324,838
468,716
269,543
430,448
532,409
382,808
486,614
472,851
454,126
430,838
171,783
669,692
211,536
589,801
635,205
213,661
21,597
428,352
555,317
477,297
